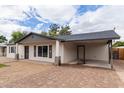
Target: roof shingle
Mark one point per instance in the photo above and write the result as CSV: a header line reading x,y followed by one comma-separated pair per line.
x,y
107,35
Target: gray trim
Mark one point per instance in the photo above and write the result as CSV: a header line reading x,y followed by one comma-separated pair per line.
x,y
17,56
58,61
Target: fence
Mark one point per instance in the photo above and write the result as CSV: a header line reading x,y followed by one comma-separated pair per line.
x,y
118,53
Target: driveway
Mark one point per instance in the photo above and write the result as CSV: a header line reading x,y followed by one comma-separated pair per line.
x,y
30,74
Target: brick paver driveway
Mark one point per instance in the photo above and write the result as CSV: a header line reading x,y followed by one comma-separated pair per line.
x,y
28,74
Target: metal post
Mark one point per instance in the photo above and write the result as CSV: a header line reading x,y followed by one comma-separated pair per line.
x,y
111,59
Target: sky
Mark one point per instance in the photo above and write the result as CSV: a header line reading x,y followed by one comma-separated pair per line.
x,y
80,18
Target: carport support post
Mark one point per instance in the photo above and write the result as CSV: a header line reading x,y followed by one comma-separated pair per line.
x,y
17,54
110,53
111,59
57,57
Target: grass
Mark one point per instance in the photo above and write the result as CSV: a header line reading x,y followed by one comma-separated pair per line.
x,y
2,65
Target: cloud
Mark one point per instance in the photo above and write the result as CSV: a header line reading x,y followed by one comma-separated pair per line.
x,y
38,27
9,18
56,14
7,29
104,18
14,12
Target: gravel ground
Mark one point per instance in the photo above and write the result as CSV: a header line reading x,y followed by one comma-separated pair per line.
x,y
28,74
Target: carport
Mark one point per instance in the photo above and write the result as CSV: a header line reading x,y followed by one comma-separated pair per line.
x,y
90,49
96,53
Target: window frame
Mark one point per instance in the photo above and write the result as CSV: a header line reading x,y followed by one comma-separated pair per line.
x,y
12,49
42,50
35,51
43,54
38,51
50,52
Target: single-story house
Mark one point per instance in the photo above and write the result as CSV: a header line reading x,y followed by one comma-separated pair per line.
x,y
2,49
95,46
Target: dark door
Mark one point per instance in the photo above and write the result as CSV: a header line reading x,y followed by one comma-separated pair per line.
x,y
81,54
4,51
26,52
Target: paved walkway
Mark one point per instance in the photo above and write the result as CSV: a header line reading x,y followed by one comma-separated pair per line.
x,y
28,74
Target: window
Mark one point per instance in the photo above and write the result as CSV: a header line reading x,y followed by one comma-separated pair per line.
x,y
45,51
50,51
42,51
12,49
34,51
39,51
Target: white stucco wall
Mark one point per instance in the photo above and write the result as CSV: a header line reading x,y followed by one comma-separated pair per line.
x,y
21,51
0,51
45,59
68,52
10,55
97,52
31,52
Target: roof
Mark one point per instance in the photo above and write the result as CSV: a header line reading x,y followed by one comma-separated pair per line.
x,y
32,33
102,35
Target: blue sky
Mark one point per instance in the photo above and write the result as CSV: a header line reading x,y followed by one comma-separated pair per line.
x,y
33,22
80,18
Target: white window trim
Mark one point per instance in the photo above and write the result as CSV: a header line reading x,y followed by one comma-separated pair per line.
x,y
42,50
10,47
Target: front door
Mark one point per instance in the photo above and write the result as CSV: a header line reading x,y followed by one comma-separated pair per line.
x,y
81,53
26,52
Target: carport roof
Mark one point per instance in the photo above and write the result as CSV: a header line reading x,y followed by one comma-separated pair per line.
x,y
102,35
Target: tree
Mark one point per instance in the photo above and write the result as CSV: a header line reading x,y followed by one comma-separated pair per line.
x,y
118,43
16,35
54,29
2,39
25,33
44,33
65,30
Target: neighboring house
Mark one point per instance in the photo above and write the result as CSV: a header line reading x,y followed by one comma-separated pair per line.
x,y
2,49
63,49
11,50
